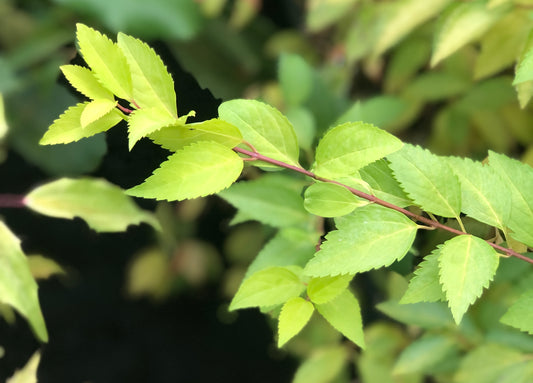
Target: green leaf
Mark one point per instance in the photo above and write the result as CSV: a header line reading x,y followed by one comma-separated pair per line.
x,y
17,286
295,78
346,148
195,171
294,315
467,265
370,238
102,205
175,138
290,246
143,122
95,110
268,287
28,373
502,44
381,111
405,62
106,60
85,82
153,86
428,180
322,366
525,92
524,68
405,16
484,194
269,202
520,314
486,363
324,289
425,285
436,86
428,315
303,121
67,128
461,24
344,314
519,179
323,13
264,127
330,200
378,175
424,354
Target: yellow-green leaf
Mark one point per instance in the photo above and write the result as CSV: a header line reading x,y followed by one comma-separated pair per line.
x,y
95,110
324,289
85,82
294,315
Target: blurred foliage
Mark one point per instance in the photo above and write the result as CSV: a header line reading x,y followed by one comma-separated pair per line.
x,y
436,73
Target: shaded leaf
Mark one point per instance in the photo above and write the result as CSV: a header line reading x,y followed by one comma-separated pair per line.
x,y
195,171
102,205
370,238
295,78
467,265
152,84
322,13
28,373
294,315
85,82
428,180
17,286
425,285
428,315
330,200
107,61
520,314
379,177
67,128
435,86
266,201
324,289
43,268
175,138
344,314
424,354
267,287
264,127
346,148
380,111
322,366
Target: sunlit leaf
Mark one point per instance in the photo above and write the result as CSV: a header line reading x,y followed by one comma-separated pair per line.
x,y
467,265
95,110
85,82
17,286
268,202
195,171
370,238
461,24
102,205
294,315
484,194
519,179
379,177
324,289
520,314
348,147
428,180
425,285
153,86
107,61
330,200
67,128
344,314
264,127
175,138
28,373
405,16
322,13
268,287
143,122
43,268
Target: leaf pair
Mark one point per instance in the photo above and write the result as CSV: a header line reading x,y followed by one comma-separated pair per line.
x,y
275,286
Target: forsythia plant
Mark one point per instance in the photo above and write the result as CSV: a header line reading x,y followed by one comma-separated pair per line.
x,y
379,191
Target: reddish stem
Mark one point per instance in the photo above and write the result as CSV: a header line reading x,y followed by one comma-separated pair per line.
x,y
12,200
124,109
374,199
